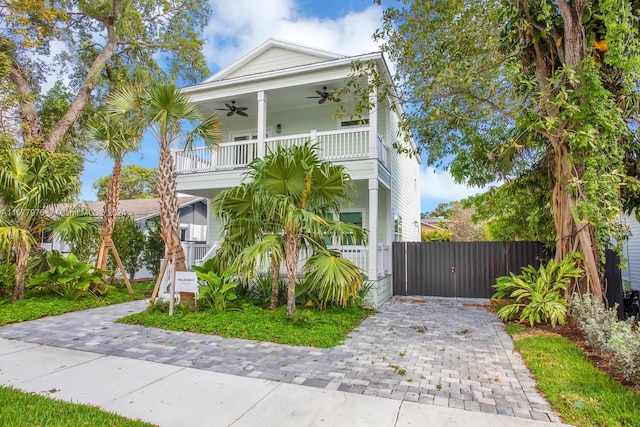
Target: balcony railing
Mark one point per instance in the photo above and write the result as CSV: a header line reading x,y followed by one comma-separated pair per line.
x,y
197,253
332,145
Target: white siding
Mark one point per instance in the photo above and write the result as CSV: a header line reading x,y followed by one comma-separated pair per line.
x,y
380,293
631,252
405,189
275,58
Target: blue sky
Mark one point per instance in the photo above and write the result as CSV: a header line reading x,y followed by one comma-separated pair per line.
x,y
341,26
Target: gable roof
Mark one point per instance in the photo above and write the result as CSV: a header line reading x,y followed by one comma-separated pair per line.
x,y
273,55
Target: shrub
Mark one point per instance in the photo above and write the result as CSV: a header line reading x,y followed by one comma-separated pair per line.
x,y
215,291
7,278
595,321
436,236
607,334
68,277
538,294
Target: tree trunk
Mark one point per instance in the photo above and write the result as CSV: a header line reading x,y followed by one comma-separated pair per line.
x,y
169,207
29,121
573,233
110,211
22,255
291,259
275,284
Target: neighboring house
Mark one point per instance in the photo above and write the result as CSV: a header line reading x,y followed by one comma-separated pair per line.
x,y
280,93
193,212
631,251
433,223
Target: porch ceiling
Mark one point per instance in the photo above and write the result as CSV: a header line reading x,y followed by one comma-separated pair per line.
x,y
281,99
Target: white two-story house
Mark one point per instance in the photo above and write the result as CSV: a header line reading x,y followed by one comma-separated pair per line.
x,y
282,93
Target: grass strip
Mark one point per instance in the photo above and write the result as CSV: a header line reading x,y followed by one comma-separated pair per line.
x,y
323,329
579,392
38,305
27,409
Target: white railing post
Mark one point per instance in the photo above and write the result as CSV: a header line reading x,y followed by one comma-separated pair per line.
x,y
373,228
373,121
262,123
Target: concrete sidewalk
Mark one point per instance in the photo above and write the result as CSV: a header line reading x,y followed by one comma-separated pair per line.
x,y
170,395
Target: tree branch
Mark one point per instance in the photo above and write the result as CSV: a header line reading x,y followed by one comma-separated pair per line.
x,y
82,98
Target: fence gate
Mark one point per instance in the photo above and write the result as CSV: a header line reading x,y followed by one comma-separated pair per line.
x,y
459,269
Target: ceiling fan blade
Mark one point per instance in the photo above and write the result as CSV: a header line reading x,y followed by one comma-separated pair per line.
x,y
222,109
241,108
242,113
230,113
230,106
322,100
322,94
313,97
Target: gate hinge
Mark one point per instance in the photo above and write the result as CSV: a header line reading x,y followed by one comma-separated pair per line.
x,y
453,268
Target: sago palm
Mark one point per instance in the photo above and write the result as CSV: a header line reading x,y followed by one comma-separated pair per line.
x,y
28,189
173,120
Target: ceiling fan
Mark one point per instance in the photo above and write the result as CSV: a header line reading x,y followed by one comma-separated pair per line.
x,y
324,95
232,109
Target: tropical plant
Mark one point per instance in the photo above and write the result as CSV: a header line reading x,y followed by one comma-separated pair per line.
x,y
215,291
118,135
68,277
168,113
334,278
285,208
7,278
538,294
27,189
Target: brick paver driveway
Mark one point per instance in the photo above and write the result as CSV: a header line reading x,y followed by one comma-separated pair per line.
x,y
447,352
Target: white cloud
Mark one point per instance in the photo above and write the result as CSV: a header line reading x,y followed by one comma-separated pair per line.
x,y
234,31
440,186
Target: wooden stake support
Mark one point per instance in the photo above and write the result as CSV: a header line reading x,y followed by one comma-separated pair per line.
x,y
103,251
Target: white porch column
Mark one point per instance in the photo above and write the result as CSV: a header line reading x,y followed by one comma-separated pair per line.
x,y
262,123
373,229
373,122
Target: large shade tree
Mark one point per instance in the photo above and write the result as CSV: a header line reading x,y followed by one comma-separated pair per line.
x,y
100,45
137,182
173,121
508,89
29,196
287,207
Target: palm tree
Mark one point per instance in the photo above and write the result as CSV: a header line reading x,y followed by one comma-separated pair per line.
x,y
28,188
161,108
290,199
119,136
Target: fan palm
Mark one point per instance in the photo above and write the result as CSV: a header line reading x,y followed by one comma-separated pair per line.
x,y
285,208
118,136
173,120
28,188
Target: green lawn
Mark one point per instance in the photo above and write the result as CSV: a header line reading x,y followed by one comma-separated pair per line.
x,y
579,392
26,409
39,304
326,328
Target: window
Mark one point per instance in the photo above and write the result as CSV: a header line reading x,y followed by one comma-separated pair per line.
x,y
351,218
397,228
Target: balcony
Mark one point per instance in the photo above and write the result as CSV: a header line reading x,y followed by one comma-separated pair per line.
x,y
351,144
